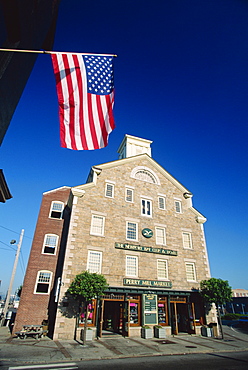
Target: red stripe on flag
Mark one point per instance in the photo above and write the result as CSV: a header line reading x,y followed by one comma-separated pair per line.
x,y
60,99
102,120
110,103
92,123
70,101
81,97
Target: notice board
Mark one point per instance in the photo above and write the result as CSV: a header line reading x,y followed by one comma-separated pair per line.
x,y
150,309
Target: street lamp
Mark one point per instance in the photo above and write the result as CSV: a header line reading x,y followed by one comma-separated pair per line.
x,y
13,273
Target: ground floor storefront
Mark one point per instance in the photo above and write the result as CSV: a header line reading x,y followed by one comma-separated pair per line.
x,y
126,310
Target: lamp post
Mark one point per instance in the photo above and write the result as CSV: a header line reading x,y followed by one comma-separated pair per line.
x,y
13,274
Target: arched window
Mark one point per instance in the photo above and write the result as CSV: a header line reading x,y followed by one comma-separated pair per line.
x,y
145,174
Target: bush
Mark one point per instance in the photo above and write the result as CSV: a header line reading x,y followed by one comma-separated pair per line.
x,y
231,316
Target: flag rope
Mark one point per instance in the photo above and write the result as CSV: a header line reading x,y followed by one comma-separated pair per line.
x,y
54,52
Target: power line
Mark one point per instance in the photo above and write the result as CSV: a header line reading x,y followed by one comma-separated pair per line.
x,y
7,245
22,264
18,233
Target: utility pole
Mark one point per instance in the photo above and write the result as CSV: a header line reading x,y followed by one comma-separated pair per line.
x,y
13,275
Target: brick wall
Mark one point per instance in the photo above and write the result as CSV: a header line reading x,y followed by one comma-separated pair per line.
x,y
33,308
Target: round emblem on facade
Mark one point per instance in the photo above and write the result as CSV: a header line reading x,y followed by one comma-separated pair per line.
x,y
147,233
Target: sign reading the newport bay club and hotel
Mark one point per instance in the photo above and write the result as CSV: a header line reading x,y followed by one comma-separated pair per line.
x,y
140,248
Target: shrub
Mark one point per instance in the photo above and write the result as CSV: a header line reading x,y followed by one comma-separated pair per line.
x,y
231,316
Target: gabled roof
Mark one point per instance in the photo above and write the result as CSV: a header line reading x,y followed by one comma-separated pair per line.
x,y
155,164
96,170
54,190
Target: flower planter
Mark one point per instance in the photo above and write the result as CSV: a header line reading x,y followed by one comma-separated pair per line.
x,y
146,333
159,332
89,334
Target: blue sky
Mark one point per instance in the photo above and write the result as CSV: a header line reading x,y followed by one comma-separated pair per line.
x,y
181,80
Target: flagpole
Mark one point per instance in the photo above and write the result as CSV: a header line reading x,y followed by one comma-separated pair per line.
x,y
54,52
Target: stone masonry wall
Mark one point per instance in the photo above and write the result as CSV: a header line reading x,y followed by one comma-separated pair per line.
x,y
117,211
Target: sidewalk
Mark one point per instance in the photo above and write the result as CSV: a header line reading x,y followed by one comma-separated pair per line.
x,y
46,350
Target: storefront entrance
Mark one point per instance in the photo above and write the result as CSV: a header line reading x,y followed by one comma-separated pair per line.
x,y
183,320
113,315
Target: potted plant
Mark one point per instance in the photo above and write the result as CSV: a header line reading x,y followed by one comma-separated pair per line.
x,y
146,332
89,334
159,331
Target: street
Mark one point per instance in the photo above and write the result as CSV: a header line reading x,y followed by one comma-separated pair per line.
x,y
207,361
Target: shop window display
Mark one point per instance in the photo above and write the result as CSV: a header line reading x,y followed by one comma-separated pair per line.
x,y
162,311
91,314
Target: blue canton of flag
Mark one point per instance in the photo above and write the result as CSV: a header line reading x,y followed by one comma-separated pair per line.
x,y
100,75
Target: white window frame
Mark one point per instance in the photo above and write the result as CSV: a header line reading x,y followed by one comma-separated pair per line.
x,y
90,262
39,277
136,230
45,244
109,190
145,209
53,209
94,226
187,244
192,264
165,274
160,197
134,267
158,237
128,196
178,206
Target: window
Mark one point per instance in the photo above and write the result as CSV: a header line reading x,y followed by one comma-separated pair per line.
x,y
145,175
146,207
190,271
43,282
187,240
129,195
162,311
162,268
134,307
109,190
56,209
91,320
131,266
50,243
97,225
161,202
94,263
131,231
160,236
178,206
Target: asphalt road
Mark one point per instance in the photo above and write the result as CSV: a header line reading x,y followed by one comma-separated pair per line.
x,y
207,361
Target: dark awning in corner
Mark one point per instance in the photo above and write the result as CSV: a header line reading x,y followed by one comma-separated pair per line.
x,y
4,190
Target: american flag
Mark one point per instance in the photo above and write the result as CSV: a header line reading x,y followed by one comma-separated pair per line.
x,y
85,90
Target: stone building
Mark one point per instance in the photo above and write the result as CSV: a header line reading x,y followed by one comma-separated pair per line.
x,y
134,223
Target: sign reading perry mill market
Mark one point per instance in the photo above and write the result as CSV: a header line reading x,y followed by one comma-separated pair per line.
x,y
140,248
153,283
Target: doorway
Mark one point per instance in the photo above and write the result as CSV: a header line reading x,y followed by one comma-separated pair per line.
x,y
182,318
113,317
